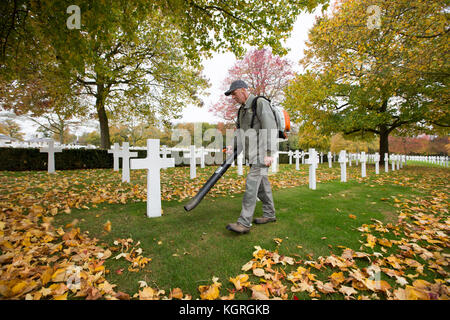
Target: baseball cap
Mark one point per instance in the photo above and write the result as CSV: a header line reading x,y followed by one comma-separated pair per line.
x,y
236,85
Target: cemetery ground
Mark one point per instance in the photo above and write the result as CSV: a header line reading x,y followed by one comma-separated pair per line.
x,y
85,235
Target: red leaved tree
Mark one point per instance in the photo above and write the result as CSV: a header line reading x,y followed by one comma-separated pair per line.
x,y
265,74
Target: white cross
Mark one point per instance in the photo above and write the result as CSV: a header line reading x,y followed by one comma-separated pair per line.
x,y
343,162
202,154
240,160
363,164
275,162
290,154
393,161
321,157
50,149
153,163
329,160
376,159
115,151
125,154
313,160
192,160
297,158
192,164
386,162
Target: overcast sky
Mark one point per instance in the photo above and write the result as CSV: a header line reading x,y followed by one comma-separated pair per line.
x,y
215,70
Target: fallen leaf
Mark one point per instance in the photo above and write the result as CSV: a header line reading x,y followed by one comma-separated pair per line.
x,y
247,266
176,293
258,272
107,226
348,291
337,278
240,281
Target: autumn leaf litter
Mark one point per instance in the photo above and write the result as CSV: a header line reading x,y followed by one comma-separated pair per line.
x,y
38,261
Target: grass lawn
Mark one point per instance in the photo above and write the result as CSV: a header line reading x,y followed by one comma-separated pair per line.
x,y
325,243
189,248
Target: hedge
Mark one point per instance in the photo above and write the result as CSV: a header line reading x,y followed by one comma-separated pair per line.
x,y
31,159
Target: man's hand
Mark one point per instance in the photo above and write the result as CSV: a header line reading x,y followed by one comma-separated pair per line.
x,y
268,161
229,150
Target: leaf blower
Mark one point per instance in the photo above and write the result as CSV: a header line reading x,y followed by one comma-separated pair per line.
x,y
213,179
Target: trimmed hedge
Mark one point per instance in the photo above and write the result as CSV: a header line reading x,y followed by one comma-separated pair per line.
x,y
26,159
29,159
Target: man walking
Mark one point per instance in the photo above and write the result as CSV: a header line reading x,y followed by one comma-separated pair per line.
x,y
258,150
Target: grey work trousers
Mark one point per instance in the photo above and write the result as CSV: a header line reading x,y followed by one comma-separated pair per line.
x,y
257,185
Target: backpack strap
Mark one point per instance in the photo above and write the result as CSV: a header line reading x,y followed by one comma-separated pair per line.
x,y
254,105
238,124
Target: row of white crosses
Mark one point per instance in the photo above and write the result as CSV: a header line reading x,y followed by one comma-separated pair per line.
x,y
438,160
42,144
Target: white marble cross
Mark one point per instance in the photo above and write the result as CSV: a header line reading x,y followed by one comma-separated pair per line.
x,y
51,149
343,162
297,159
202,153
393,161
313,160
386,162
115,151
125,154
240,161
192,155
275,162
153,163
350,156
192,163
290,154
329,160
321,157
376,159
397,160
363,160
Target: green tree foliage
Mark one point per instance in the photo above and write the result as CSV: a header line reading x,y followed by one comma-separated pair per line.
x,y
375,77
136,56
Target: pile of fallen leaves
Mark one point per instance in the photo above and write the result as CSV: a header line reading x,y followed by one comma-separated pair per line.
x,y
38,261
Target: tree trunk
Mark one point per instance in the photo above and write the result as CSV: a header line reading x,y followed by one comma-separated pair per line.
x,y
384,143
102,118
61,131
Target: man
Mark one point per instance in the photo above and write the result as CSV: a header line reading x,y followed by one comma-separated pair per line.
x,y
255,150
